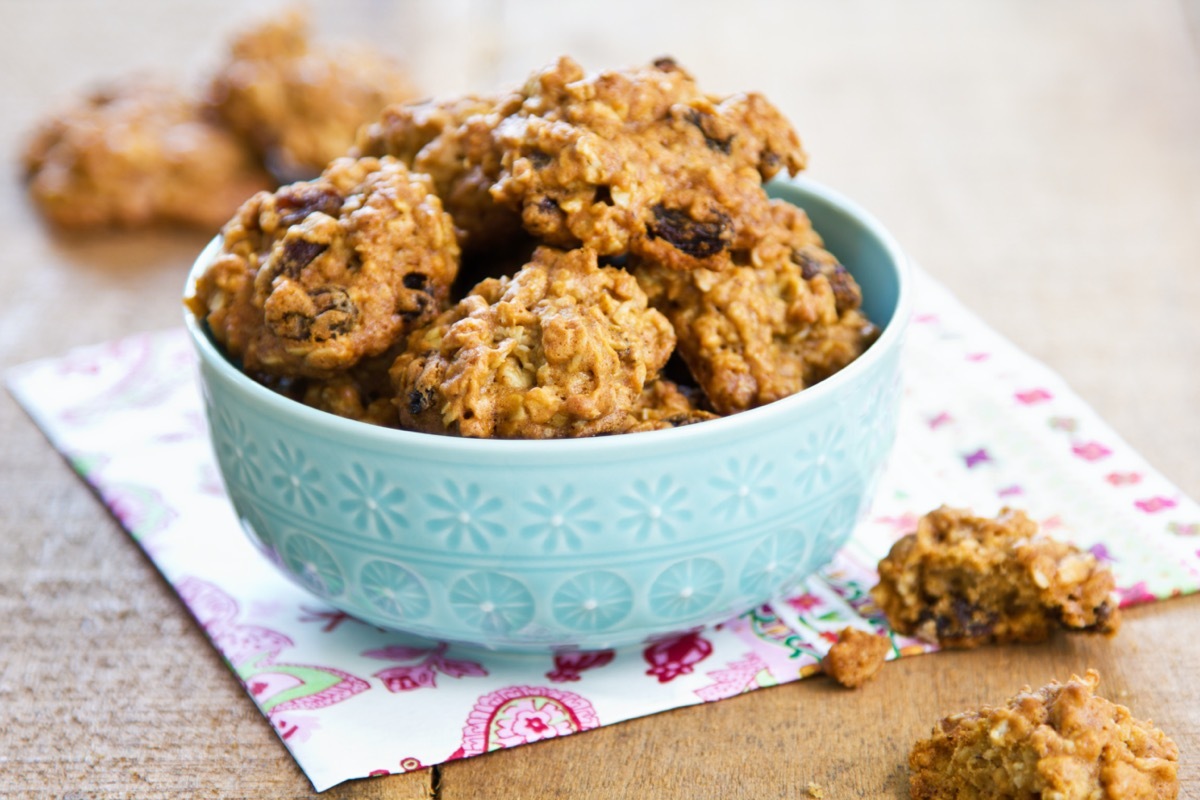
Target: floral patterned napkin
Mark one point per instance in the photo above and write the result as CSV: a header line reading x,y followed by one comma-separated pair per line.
x,y
349,700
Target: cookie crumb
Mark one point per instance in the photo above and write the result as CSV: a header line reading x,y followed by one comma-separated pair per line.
x,y
1061,740
962,580
856,657
814,790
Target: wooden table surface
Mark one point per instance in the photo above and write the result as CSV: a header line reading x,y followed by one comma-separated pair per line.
x,y
1042,159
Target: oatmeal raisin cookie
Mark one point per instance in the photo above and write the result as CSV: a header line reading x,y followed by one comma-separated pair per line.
x,y
642,161
452,141
962,580
138,153
563,348
320,275
1059,741
755,333
301,104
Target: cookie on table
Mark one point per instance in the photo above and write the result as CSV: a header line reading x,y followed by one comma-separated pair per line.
x,y
320,275
1059,741
856,657
962,580
451,140
642,161
137,153
563,348
301,104
757,332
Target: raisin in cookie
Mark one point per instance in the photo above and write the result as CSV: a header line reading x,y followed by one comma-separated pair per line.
x,y
1059,741
138,153
563,348
300,104
962,580
642,161
755,333
318,276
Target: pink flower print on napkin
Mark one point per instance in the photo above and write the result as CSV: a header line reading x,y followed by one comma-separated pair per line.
x,y
253,650
1033,396
980,456
1123,478
527,721
568,664
141,510
331,617
938,421
1153,505
740,676
423,674
295,728
409,764
1132,595
518,715
1068,424
1184,529
1090,451
804,602
670,658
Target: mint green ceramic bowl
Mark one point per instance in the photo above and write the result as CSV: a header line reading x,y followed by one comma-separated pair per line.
x,y
591,543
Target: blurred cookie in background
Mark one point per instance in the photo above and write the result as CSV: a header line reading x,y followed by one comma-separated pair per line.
x,y
135,153
300,104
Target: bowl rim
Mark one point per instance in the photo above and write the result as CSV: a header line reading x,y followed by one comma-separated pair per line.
x,y
630,443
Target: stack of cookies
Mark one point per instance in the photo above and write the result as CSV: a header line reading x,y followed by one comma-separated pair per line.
x,y
525,265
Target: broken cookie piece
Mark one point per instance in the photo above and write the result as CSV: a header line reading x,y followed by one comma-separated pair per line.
x,y
1059,741
856,657
962,581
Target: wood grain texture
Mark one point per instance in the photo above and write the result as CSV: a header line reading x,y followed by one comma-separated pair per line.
x,y
1040,159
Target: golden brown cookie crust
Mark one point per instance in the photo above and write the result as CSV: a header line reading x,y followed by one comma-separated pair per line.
x,y
642,161
755,333
563,348
664,405
856,657
451,140
961,580
320,275
299,103
138,153
1060,741
636,160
